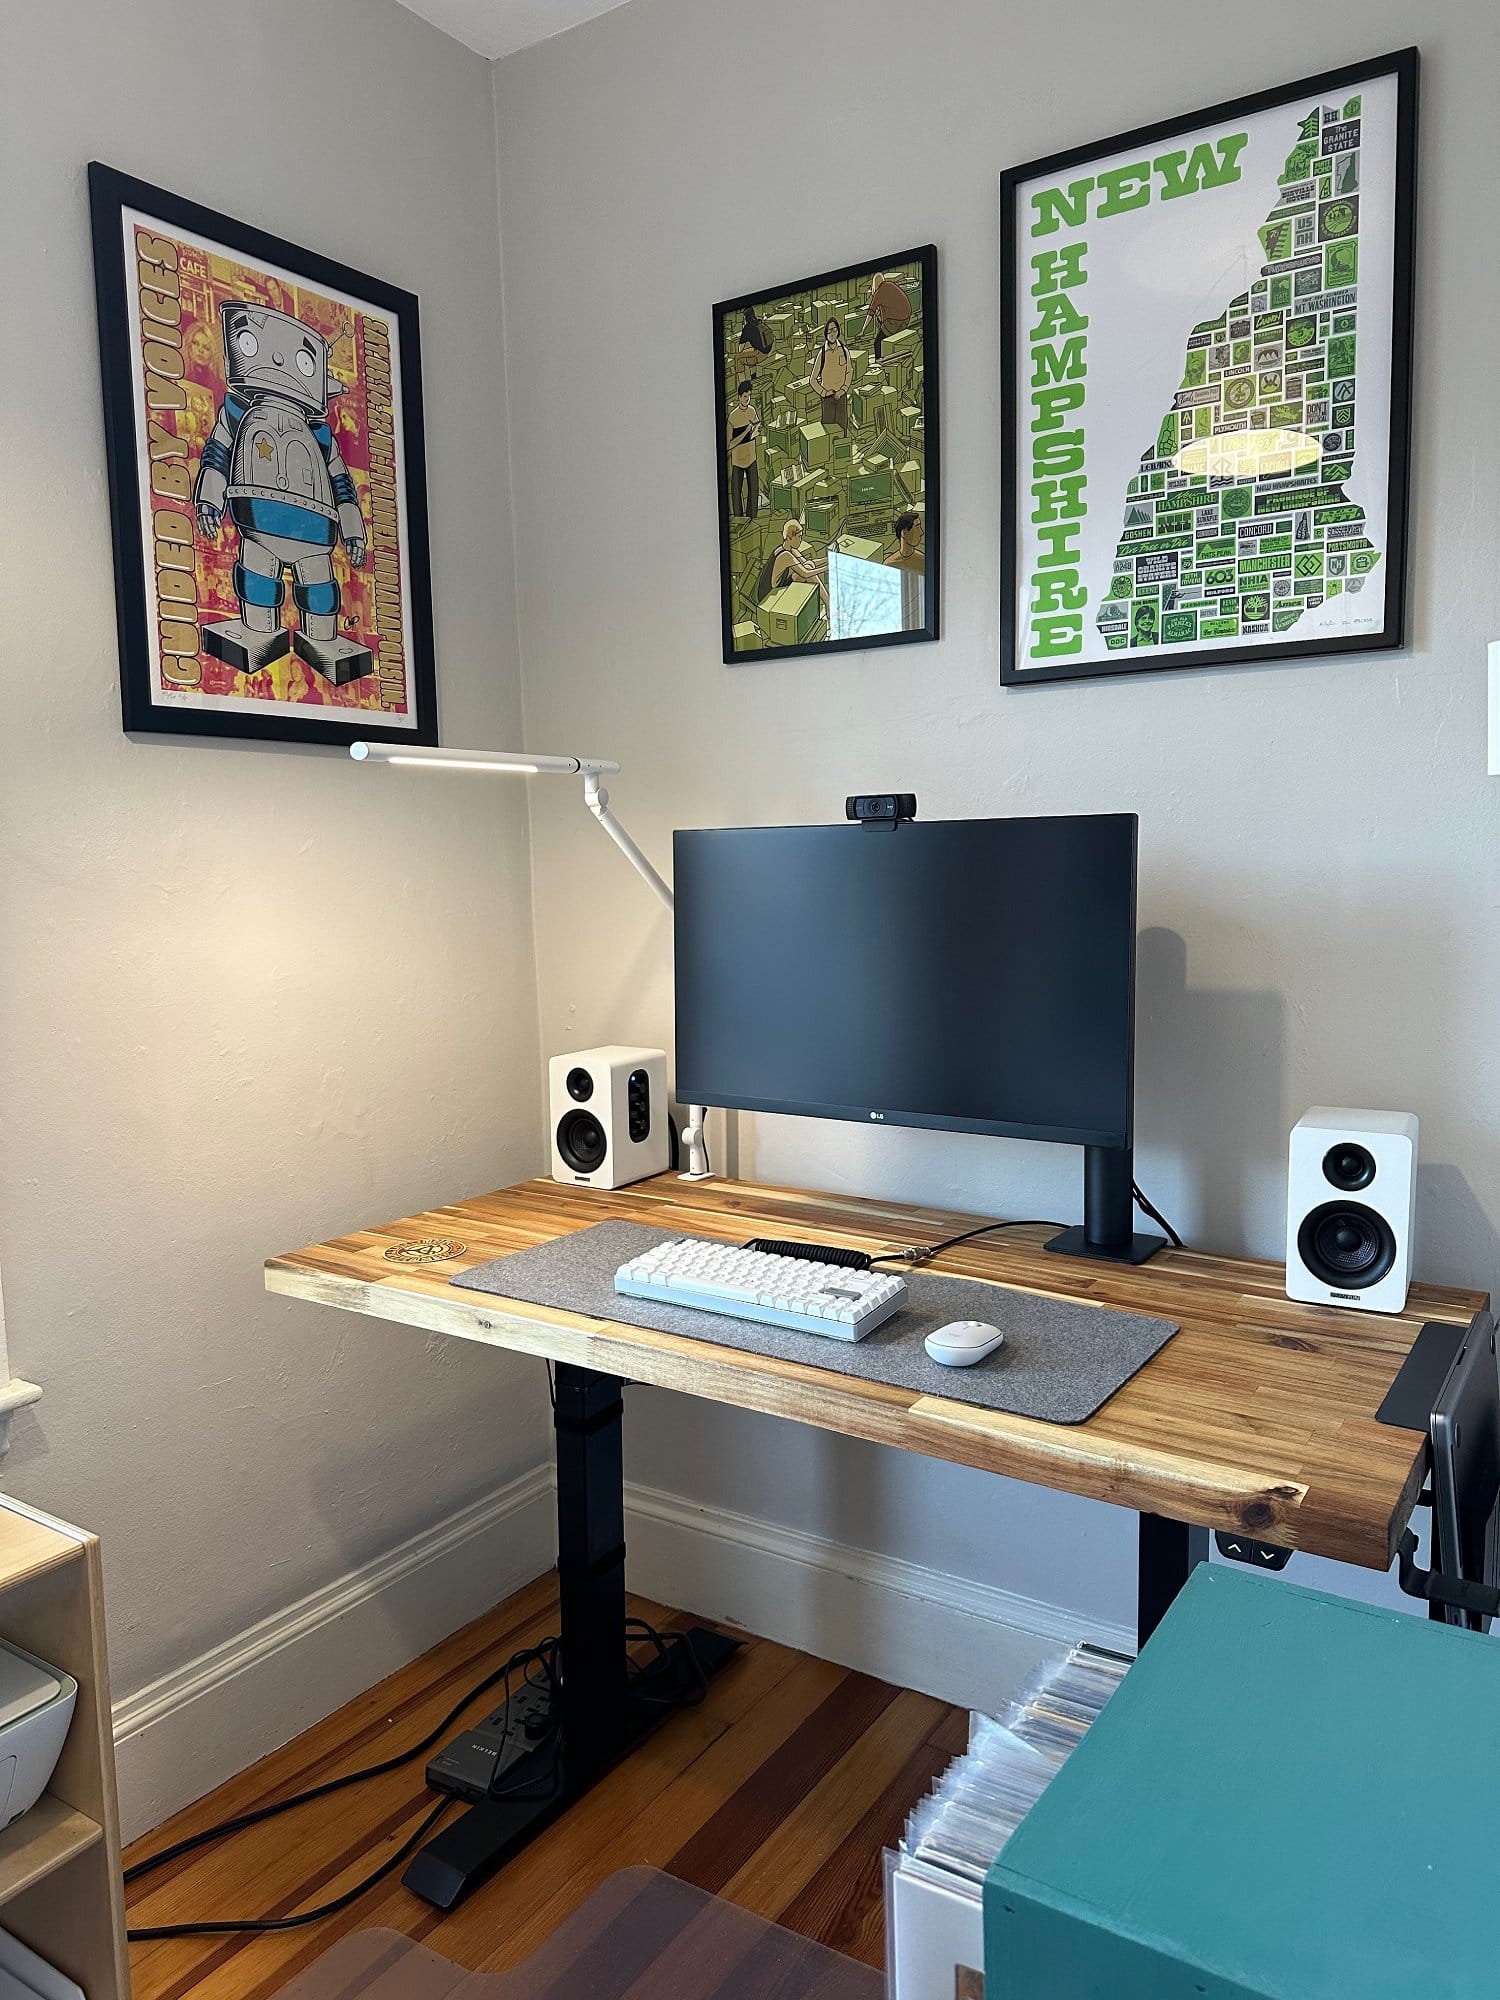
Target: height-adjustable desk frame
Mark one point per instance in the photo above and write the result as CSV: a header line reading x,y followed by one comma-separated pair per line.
x,y
1259,1416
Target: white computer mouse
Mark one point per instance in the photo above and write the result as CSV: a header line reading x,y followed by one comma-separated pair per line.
x,y
963,1342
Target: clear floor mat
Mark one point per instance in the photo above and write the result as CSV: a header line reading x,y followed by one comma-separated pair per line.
x,y
640,1935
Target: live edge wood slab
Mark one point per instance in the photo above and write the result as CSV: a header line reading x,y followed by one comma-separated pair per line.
x,y
1258,1416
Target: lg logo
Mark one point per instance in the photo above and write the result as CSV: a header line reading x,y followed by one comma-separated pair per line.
x,y
878,1116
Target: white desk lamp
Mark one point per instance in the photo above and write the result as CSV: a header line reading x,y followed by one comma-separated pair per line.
x,y
591,769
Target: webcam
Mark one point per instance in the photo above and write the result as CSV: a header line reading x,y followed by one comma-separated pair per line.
x,y
881,808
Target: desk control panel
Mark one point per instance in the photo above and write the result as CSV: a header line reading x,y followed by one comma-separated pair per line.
x,y
1245,1549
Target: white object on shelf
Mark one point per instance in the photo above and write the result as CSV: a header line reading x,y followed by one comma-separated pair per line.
x,y
36,1707
32,1974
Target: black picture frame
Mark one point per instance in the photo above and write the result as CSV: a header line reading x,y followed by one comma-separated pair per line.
x,y
1403,65
137,600
924,257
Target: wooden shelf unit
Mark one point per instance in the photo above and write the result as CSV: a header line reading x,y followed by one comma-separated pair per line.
x,y
61,1890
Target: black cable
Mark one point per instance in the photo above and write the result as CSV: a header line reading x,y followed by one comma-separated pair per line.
x,y
1149,1208
258,1926
151,1862
812,1253
923,1253
543,1655
685,1644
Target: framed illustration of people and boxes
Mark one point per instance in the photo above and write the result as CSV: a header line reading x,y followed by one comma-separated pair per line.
x,y
1206,384
826,396
263,426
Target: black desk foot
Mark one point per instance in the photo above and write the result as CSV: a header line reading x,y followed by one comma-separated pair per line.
x,y
547,1781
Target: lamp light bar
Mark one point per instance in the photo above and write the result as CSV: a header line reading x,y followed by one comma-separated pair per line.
x,y
515,761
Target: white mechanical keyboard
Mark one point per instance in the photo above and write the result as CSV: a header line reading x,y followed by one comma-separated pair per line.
x,y
757,1285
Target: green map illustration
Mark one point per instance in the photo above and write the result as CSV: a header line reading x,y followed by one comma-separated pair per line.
x,y
1238,521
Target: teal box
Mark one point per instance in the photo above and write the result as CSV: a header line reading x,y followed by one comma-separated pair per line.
x,y
1290,1797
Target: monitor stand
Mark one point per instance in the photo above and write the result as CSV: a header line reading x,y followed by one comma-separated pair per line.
x,y
1106,1234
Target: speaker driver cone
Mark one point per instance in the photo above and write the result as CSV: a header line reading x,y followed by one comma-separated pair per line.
x,y
1349,1166
1346,1245
581,1142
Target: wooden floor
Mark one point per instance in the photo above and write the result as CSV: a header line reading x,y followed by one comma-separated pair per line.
x,y
778,1792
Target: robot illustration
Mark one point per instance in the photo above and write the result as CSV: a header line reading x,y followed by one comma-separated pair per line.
x,y
272,458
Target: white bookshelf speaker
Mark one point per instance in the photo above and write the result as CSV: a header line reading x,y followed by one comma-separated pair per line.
x,y
1351,1208
608,1116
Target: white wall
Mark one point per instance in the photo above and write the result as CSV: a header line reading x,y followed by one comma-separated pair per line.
x,y
1319,888
249,997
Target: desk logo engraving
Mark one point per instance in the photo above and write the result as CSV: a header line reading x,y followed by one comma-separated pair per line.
x,y
430,1250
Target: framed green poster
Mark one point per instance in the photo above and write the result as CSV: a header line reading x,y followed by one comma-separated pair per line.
x,y
826,405
1206,385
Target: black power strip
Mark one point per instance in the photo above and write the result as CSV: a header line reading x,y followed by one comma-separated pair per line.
x,y
473,1765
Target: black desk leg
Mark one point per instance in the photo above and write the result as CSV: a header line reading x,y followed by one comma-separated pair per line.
x,y
606,1712
588,1426
1169,1552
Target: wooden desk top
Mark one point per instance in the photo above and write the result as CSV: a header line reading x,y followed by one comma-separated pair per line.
x,y
1259,1415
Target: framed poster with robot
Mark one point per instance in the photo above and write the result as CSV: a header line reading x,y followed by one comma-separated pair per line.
x,y
263,419
1206,385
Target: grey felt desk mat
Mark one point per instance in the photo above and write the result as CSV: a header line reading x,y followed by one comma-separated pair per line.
x,y
1060,1361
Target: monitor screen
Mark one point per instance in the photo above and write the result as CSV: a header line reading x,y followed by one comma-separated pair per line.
x,y
971,975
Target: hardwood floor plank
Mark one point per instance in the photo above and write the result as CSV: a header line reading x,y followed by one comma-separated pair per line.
x,y
749,1818
843,1904
830,1811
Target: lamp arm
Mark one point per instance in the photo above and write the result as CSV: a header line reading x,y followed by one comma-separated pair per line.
x,y
596,798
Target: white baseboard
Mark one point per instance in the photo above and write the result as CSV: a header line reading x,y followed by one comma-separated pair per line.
x,y
968,1643
964,1642
190,1730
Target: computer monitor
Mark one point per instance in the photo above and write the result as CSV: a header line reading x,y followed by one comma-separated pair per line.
x,y
961,975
